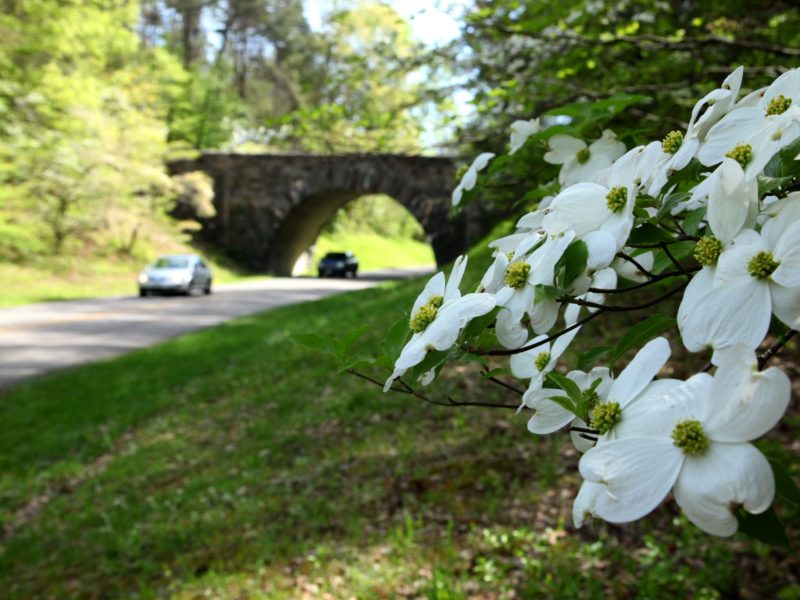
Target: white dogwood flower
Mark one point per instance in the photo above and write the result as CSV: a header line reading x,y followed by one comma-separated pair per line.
x,y
536,363
579,161
694,439
732,200
470,178
756,275
678,149
437,317
521,131
752,135
517,296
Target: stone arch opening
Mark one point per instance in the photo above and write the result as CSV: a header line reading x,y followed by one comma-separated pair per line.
x,y
381,232
304,226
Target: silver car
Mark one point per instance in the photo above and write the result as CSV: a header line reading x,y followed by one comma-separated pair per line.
x,y
176,273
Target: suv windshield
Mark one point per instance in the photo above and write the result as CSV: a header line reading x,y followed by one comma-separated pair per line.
x,y
171,262
335,256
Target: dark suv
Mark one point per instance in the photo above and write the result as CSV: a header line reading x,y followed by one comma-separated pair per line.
x,y
338,263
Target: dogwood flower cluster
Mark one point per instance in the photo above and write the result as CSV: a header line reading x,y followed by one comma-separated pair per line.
x,y
707,212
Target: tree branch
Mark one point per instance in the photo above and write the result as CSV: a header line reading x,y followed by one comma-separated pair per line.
x,y
775,348
407,389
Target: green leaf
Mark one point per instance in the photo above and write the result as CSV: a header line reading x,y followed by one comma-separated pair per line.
x,y
768,185
642,333
588,359
570,388
320,343
343,345
395,339
546,292
647,233
498,371
680,251
670,202
783,164
477,326
354,362
572,263
765,527
433,360
691,222
785,485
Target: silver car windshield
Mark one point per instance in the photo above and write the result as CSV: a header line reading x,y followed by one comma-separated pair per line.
x,y
167,262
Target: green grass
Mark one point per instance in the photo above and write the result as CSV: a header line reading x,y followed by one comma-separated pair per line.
x,y
232,463
374,251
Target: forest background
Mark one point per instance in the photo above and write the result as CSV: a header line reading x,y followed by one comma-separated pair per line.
x,y
96,96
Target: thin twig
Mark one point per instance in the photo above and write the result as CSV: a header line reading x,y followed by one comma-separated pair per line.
x,y
635,263
674,260
407,389
547,340
504,384
607,308
775,348
644,284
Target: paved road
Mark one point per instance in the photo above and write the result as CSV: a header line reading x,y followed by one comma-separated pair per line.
x,y
39,338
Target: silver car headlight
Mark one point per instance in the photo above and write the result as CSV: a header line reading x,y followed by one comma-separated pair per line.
x,y
143,278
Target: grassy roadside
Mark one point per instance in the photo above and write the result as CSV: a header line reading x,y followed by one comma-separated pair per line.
x,y
231,463
69,278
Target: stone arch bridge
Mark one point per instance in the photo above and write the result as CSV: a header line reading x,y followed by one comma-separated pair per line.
x,y
271,207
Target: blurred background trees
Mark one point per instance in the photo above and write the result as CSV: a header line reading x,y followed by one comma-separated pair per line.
x,y
94,96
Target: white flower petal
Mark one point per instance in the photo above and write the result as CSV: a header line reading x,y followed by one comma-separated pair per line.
x,y
523,364
640,371
509,331
585,502
787,251
562,148
544,316
746,403
786,304
580,208
549,416
434,287
602,247
451,290
725,475
737,127
732,202
638,473
737,312
469,307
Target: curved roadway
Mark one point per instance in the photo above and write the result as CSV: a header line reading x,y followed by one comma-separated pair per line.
x,y
39,338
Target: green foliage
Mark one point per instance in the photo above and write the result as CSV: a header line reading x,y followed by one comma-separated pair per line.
x,y
81,127
532,56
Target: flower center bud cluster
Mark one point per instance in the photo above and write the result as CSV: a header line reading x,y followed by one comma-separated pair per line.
x,y
762,265
583,156
605,416
517,274
778,105
616,198
707,251
690,437
672,142
425,314
743,154
591,398
541,361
